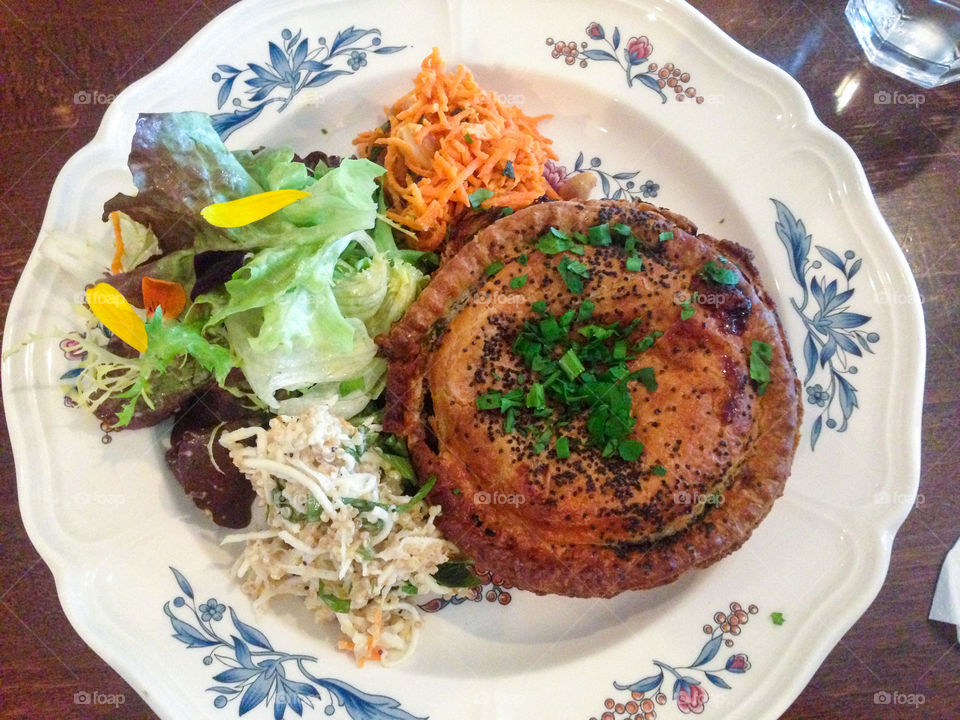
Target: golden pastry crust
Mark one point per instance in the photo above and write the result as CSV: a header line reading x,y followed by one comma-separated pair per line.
x,y
590,526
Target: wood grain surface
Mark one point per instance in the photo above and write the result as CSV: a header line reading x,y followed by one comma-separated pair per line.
x,y
50,51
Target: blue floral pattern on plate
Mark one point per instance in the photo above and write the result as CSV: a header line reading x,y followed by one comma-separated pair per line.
x,y
834,334
292,67
688,690
255,674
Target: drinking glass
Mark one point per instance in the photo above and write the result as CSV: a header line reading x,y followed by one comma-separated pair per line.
x,y
919,40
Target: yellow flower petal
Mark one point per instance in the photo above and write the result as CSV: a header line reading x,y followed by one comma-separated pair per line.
x,y
236,213
112,309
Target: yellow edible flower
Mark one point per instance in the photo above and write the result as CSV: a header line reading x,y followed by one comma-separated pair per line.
x,y
112,309
236,213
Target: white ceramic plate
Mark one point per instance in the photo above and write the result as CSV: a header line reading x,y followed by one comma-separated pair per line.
x,y
742,154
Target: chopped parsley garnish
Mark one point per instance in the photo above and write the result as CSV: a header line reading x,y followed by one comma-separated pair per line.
x,y
518,282
468,138
586,310
478,197
658,470
522,259
647,341
686,310
777,618
508,170
599,235
506,211
573,273
664,236
630,450
760,356
409,588
575,370
720,275
493,268
571,364
556,241
634,264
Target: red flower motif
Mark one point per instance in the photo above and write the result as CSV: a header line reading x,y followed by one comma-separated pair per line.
x,y
638,49
595,31
738,663
691,698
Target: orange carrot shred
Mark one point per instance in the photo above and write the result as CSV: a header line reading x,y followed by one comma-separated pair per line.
x,y
165,294
447,138
116,267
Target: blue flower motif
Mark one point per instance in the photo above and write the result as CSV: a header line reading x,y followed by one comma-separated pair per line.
x,y
357,60
211,609
816,395
649,189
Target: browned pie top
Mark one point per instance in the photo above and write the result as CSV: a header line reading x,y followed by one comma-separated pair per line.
x,y
589,525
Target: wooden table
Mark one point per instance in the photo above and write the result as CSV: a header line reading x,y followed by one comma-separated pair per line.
x,y
51,51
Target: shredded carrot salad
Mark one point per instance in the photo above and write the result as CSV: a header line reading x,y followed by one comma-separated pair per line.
x,y
448,138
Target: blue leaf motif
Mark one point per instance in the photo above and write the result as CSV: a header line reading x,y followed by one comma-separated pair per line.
x,y
278,59
262,72
718,681
300,54
186,633
223,689
645,685
604,184
848,396
325,77
848,319
831,257
652,84
227,123
315,66
182,582
250,634
72,373
228,69
225,91
363,706
794,238
616,38
846,343
256,692
598,55
810,356
626,175
348,37
579,163
828,350
838,300
242,652
854,269
237,675
709,651
815,431
389,49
